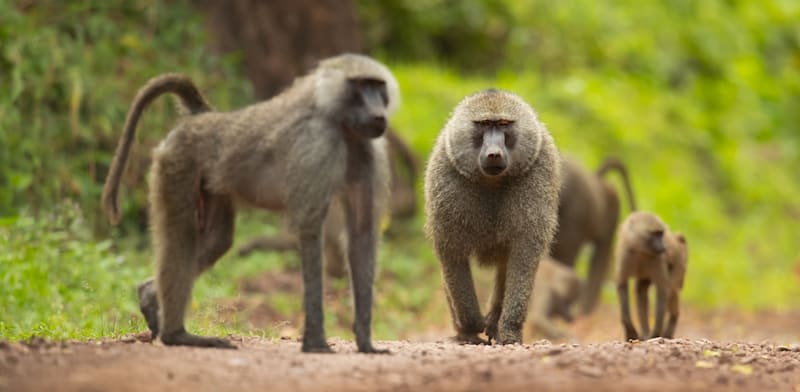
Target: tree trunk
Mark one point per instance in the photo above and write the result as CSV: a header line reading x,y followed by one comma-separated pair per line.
x,y
281,39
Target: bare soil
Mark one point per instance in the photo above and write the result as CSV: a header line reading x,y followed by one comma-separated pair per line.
x,y
133,364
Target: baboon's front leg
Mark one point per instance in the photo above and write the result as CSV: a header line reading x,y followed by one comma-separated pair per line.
x,y
311,258
625,310
523,261
496,307
642,305
362,234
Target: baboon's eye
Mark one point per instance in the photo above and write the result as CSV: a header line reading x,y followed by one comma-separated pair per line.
x,y
477,137
511,139
503,123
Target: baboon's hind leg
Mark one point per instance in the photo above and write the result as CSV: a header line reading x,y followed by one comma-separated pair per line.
x,y
148,304
217,238
176,238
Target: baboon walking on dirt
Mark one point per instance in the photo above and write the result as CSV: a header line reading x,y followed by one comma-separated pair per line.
x,y
491,192
318,140
650,253
588,212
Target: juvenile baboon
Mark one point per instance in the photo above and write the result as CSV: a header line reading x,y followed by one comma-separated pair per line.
x,y
650,253
555,288
402,205
588,212
318,140
491,191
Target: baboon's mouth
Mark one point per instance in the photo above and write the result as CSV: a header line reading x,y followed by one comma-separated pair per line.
x,y
494,170
374,132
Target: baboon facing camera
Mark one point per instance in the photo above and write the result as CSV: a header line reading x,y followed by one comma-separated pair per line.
x,y
491,192
318,140
651,254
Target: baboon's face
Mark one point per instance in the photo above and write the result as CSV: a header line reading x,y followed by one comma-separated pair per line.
x,y
367,100
654,240
493,140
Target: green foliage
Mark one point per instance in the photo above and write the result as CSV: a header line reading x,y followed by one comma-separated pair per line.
x,y
70,70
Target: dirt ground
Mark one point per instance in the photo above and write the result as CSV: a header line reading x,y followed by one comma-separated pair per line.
x,y
755,352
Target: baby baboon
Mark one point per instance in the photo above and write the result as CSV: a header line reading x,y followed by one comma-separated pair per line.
x,y
318,140
588,212
491,191
555,288
650,253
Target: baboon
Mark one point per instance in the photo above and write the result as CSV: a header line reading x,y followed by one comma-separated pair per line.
x,y
402,205
588,212
555,288
650,253
491,191
318,140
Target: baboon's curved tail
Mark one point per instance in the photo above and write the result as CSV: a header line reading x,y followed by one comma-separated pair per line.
x,y
614,163
190,98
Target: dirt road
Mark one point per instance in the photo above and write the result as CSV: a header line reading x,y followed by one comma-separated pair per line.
x,y
258,365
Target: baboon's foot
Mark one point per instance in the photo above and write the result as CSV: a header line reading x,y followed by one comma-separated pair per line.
x,y
370,349
148,305
316,346
630,333
183,338
491,330
470,338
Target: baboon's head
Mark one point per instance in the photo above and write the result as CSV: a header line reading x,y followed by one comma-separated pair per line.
x,y
493,134
358,92
648,230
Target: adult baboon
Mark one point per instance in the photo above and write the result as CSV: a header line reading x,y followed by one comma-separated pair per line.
x,y
648,252
555,288
491,191
588,212
402,205
318,140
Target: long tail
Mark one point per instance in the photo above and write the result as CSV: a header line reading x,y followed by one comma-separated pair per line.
x,y
190,98
613,163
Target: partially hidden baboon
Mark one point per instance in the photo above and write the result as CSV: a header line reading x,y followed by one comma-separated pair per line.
x,y
334,244
402,205
650,253
588,212
317,141
491,191
555,288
